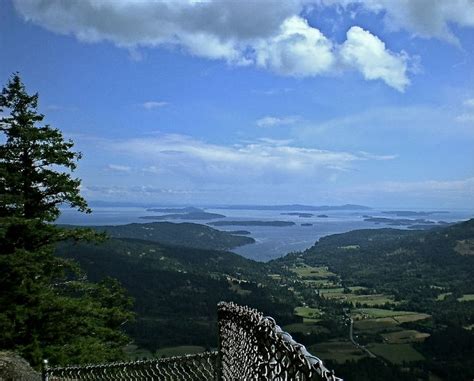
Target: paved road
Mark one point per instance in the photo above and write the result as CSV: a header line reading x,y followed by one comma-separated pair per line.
x,y
361,347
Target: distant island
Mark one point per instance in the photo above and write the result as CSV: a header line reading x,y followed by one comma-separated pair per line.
x,y
252,223
409,213
306,224
189,209
239,232
182,234
299,214
295,207
200,215
323,216
399,221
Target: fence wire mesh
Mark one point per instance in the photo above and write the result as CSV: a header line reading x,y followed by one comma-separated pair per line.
x,y
253,347
198,367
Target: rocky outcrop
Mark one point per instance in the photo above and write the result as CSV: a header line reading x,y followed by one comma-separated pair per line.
x,y
15,368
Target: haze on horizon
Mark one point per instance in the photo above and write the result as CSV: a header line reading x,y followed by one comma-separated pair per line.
x,y
259,102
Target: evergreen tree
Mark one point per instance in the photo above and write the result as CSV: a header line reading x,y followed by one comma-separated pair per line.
x,y
47,307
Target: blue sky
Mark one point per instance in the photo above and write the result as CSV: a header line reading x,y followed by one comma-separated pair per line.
x,y
266,102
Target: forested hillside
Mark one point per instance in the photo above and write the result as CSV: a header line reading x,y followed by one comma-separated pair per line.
x,y
182,234
176,289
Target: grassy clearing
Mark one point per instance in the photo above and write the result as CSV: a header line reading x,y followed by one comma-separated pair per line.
x,y
466,298
443,296
179,350
373,313
412,317
338,351
307,312
374,325
396,353
370,300
310,272
405,336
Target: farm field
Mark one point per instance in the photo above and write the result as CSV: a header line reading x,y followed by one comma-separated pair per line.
x,y
405,336
338,351
396,353
373,313
466,298
308,312
305,271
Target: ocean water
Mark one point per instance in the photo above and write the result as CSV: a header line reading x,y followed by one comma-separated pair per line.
x,y
271,241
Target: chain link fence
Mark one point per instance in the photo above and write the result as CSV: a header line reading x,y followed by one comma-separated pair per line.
x,y
197,367
251,347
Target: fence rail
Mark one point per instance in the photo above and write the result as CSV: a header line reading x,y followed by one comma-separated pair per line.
x,y
251,347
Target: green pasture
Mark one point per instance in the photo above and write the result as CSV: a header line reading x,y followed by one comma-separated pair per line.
x,y
307,312
405,336
466,298
374,313
305,271
396,353
338,351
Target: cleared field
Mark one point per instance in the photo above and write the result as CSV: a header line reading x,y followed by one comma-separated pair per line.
x,y
338,351
405,336
305,328
310,272
373,313
179,350
307,312
411,317
374,324
466,298
396,353
443,295
370,300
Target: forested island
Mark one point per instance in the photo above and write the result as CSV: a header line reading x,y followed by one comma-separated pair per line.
x,y
252,223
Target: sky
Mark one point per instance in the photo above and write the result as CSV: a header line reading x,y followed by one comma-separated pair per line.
x,y
255,102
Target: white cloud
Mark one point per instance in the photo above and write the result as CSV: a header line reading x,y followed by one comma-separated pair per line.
x,y
263,160
297,50
119,168
273,121
423,18
469,102
153,104
270,35
467,117
367,53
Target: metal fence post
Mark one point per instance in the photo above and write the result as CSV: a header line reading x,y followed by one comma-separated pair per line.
x,y
44,370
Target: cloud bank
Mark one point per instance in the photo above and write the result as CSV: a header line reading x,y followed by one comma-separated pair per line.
x,y
269,35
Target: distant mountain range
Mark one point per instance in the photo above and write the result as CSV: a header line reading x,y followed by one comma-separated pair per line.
x,y
295,207
189,208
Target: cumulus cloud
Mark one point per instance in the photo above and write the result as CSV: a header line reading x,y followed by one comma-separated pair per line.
x,y
270,35
273,121
367,53
297,50
423,18
154,104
